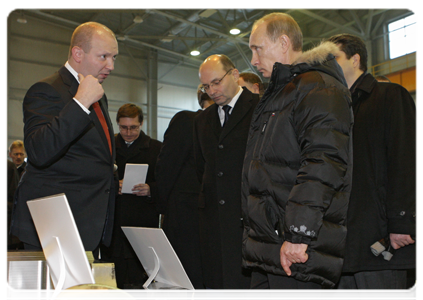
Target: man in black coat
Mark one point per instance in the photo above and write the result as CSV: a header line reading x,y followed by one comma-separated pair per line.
x,y
179,187
298,165
219,148
383,197
69,141
139,208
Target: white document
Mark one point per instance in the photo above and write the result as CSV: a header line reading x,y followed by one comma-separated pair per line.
x,y
61,242
158,258
134,174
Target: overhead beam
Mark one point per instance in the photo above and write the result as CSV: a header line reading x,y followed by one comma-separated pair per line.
x,y
245,58
198,26
327,21
369,22
357,21
166,37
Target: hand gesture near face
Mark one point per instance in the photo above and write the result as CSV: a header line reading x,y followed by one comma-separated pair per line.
x,y
89,90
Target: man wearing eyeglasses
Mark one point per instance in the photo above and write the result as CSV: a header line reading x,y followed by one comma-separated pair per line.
x,y
139,208
220,136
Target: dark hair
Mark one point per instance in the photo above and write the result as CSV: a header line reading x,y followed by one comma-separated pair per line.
x,y
130,110
253,78
202,97
281,23
351,45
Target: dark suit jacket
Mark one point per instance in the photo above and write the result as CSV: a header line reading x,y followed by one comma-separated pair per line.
x,y
13,242
219,156
67,153
178,188
21,169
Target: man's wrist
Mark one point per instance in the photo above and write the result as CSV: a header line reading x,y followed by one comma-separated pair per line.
x,y
82,106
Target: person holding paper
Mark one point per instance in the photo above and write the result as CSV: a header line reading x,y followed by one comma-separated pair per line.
x,y
137,208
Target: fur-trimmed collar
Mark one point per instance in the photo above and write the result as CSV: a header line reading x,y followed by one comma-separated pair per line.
x,y
319,54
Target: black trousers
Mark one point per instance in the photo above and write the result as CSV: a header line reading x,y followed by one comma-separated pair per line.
x,y
263,280
385,279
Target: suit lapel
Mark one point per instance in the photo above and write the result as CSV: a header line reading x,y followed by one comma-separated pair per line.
x,y
242,106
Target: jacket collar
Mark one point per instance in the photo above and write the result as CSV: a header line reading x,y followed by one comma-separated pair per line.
x,y
241,108
69,80
143,141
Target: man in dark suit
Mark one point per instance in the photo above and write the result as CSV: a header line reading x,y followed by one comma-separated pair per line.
x,y
69,150
136,209
179,187
219,148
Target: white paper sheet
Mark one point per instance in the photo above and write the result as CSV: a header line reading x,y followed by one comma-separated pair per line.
x,y
134,174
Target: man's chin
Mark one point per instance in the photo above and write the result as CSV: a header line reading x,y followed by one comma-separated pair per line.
x,y
265,73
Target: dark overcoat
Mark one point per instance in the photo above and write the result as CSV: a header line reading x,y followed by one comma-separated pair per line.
x,y
383,196
219,156
132,210
178,188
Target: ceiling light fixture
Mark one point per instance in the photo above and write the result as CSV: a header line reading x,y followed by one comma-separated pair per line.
x,y
235,31
21,19
195,53
138,19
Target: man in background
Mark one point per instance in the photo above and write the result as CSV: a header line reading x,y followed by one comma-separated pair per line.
x,y
179,187
383,198
17,154
68,137
13,242
139,207
252,82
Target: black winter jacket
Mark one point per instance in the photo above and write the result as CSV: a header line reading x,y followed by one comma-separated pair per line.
x,y
298,167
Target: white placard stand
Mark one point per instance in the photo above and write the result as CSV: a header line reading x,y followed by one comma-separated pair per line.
x,y
155,270
158,258
61,242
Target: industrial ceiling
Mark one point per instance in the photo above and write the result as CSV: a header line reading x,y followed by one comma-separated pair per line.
x,y
174,33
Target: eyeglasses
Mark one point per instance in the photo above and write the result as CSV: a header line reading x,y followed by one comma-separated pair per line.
x,y
205,87
129,128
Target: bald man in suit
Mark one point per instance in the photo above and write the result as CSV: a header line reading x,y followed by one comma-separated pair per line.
x,y
69,140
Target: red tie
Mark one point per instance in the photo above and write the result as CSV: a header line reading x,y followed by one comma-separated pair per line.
x,y
100,116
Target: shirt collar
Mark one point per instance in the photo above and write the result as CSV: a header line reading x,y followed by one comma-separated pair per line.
x,y
234,99
72,71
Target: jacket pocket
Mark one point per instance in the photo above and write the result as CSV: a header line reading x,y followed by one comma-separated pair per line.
x,y
264,219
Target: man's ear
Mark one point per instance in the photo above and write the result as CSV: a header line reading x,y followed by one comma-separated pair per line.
x,y
256,88
356,60
235,73
285,42
77,54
